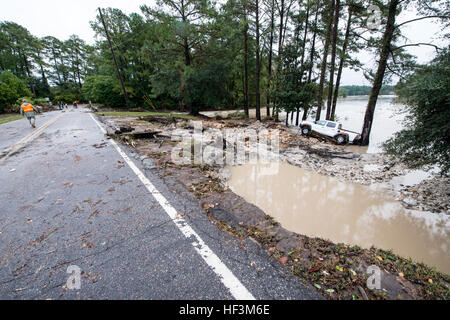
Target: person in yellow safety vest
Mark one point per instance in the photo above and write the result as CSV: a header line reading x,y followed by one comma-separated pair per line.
x,y
29,111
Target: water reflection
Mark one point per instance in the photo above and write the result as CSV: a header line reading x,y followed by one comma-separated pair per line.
x,y
316,205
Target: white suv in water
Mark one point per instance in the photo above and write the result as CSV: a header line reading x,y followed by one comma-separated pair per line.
x,y
330,129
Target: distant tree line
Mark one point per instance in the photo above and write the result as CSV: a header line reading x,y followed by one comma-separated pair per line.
x,y
47,67
364,90
191,55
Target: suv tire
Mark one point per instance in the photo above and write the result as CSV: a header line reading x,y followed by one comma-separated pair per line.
x,y
341,139
306,131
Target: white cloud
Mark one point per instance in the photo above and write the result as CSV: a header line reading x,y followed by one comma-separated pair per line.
x,y
61,19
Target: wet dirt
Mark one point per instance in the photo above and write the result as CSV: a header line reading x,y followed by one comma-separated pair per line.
x,y
313,259
321,206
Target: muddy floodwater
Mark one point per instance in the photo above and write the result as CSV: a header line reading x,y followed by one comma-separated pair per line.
x,y
320,206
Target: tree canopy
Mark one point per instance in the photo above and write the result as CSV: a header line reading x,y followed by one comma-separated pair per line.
x,y
284,55
426,139
11,89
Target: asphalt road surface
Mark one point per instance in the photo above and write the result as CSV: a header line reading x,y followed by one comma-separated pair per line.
x,y
68,197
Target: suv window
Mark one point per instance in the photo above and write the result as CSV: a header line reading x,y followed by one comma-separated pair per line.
x,y
321,123
331,125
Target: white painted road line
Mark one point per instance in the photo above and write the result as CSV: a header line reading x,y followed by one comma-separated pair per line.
x,y
31,136
237,289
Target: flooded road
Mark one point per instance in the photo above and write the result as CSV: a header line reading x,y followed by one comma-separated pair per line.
x,y
321,206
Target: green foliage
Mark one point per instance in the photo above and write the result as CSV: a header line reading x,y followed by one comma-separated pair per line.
x,y
45,64
11,89
40,101
365,90
293,92
67,93
42,89
34,101
190,54
149,114
426,139
343,92
134,41
166,84
103,89
17,50
198,55
207,86
66,98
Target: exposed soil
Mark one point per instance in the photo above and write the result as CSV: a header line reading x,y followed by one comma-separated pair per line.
x,y
338,271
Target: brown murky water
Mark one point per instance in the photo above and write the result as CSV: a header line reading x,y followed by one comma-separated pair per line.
x,y
321,206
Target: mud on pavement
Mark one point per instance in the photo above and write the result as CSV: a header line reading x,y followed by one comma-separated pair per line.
x,y
338,271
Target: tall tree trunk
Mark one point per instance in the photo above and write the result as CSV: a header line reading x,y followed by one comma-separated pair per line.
x,y
187,62
333,58
302,60
269,77
305,114
305,35
187,52
74,73
324,61
280,48
246,64
378,81
313,46
311,56
16,65
64,73
182,102
56,65
258,63
27,67
342,62
286,21
44,77
79,79
125,93
79,71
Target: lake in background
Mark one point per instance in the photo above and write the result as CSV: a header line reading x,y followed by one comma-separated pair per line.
x,y
388,118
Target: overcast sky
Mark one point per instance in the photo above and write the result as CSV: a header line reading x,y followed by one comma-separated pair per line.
x,y
61,18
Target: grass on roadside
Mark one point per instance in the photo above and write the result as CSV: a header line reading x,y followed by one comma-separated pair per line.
x,y
148,114
5,118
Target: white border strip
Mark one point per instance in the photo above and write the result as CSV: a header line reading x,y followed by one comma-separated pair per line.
x,y
237,289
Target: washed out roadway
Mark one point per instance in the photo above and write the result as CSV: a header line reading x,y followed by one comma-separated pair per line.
x,y
69,198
